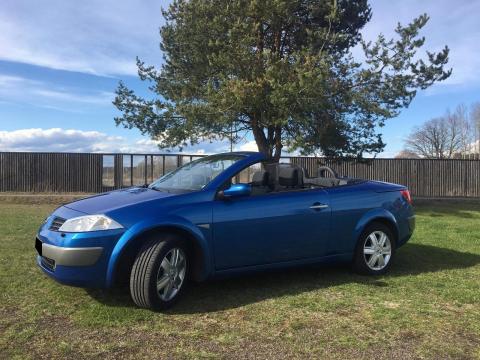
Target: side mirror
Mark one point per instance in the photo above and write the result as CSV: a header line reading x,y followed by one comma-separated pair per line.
x,y
236,190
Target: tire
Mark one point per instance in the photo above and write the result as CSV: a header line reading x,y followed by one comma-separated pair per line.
x,y
154,263
368,255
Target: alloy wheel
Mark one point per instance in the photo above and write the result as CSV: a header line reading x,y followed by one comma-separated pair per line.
x,y
377,250
171,274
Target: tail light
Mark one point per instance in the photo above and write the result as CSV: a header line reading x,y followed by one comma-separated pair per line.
x,y
406,195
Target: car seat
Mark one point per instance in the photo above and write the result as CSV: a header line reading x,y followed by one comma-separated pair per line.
x,y
290,176
260,182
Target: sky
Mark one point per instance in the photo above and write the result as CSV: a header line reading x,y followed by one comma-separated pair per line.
x,y
60,62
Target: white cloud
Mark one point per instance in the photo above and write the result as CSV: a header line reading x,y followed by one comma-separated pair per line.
x,y
8,81
90,36
387,154
103,37
57,140
72,140
152,146
248,146
11,82
100,98
24,90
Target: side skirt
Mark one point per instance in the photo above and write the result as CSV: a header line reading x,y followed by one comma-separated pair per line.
x,y
324,260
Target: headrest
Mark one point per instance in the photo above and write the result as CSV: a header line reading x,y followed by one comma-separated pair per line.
x,y
326,171
287,176
272,170
304,171
260,178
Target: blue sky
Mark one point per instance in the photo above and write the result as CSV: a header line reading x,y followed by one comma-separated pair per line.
x,y
60,62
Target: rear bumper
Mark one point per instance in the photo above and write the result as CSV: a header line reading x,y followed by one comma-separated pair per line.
x,y
411,224
407,230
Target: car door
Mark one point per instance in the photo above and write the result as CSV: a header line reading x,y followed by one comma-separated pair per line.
x,y
270,228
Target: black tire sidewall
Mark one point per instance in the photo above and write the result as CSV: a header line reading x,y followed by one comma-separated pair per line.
x,y
359,263
168,243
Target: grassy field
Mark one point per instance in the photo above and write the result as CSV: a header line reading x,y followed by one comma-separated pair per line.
x,y
427,307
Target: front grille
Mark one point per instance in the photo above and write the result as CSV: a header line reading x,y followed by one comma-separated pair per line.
x,y
56,223
47,263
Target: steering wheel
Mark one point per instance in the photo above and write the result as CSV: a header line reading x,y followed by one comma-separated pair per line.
x,y
323,169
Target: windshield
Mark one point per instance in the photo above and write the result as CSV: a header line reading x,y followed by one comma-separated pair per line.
x,y
196,174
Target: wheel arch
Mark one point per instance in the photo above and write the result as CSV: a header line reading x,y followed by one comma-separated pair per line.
x,y
127,248
380,216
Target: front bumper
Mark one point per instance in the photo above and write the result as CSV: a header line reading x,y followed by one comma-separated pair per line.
x,y
78,259
66,256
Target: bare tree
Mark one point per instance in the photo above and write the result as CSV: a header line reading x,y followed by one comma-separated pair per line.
x,y
406,154
460,132
445,137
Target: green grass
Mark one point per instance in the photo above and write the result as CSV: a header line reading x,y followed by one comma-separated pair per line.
x,y
428,306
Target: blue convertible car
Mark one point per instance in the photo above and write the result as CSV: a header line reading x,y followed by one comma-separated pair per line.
x,y
223,214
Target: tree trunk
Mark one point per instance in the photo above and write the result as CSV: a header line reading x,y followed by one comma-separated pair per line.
x,y
271,145
278,144
260,138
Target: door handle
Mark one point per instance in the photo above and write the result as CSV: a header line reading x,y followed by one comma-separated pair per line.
x,y
318,206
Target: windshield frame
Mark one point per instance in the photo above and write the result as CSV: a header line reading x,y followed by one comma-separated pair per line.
x,y
157,184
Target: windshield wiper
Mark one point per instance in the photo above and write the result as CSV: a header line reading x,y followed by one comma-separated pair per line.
x,y
160,189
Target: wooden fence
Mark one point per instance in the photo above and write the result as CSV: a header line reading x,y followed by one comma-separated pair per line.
x,y
82,173
431,178
93,173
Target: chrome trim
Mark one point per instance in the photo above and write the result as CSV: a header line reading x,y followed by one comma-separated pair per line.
x,y
320,206
72,256
205,226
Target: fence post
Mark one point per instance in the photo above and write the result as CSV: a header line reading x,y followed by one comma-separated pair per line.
x,y
118,171
145,170
75,172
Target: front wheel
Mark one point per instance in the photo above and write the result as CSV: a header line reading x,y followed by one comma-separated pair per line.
x,y
375,250
159,272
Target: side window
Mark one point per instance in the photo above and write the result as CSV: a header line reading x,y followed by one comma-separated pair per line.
x,y
256,176
246,175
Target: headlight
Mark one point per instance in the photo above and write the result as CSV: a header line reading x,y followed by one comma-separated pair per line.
x,y
89,223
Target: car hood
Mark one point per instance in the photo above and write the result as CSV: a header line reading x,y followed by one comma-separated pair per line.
x,y
104,203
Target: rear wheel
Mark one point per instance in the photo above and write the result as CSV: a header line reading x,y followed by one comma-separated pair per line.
x,y
159,272
375,250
